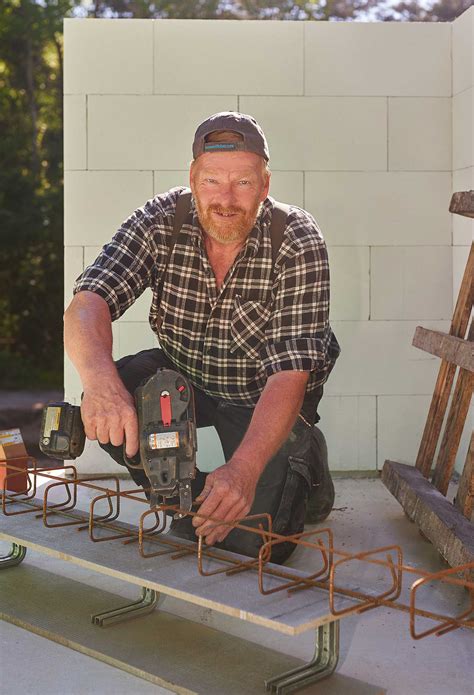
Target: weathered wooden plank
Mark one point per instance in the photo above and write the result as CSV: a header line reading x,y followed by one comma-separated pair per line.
x,y
457,415
462,203
454,426
465,493
444,382
434,421
454,350
439,520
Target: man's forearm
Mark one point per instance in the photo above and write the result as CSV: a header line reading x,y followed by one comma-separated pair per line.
x,y
273,418
230,490
107,409
88,337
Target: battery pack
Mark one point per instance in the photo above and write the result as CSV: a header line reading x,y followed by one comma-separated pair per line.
x,y
62,433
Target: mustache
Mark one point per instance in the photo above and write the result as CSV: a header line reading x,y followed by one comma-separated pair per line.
x,y
225,211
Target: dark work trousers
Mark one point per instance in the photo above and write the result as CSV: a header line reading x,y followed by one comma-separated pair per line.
x,y
284,485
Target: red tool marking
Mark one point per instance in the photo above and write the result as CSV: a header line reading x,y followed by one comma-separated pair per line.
x,y
165,404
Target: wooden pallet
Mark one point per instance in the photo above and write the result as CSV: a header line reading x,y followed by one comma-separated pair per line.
x,y
448,526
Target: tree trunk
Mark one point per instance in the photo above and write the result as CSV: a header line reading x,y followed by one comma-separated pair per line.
x,y
59,51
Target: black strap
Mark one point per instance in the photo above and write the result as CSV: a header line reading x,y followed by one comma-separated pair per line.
x,y
183,206
277,226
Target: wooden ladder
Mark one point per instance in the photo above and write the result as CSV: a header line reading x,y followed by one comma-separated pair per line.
x,y
448,526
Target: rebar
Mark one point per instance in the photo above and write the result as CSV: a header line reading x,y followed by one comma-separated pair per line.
x,y
107,527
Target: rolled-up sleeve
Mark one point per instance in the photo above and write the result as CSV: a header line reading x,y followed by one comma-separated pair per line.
x,y
298,334
125,266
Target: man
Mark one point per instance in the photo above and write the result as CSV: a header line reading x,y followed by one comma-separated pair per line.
x,y
251,335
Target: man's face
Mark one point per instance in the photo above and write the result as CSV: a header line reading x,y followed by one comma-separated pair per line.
x,y
228,188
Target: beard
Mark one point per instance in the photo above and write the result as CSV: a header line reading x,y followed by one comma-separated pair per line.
x,y
228,230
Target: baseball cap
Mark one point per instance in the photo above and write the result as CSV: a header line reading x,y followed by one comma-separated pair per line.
x,y
253,137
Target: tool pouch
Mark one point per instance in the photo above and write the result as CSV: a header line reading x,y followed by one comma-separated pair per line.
x,y
289,518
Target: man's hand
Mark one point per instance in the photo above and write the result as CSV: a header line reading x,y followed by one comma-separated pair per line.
x,y
109,415
227,495
230,490
107,409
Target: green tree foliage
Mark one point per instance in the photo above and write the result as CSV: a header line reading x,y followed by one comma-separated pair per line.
x,y
31,172
160,9
31,208
338,10
302,10
435,11
232,9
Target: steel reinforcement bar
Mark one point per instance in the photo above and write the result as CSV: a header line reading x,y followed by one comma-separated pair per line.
x,y
107,527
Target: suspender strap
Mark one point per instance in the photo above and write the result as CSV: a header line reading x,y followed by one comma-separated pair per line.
x,y
277,228
183,206
277,225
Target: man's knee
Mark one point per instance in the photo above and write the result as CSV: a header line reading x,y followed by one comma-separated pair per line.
x,y
250,544
133,369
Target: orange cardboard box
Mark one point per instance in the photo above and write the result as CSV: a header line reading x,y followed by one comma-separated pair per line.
x,y
13,455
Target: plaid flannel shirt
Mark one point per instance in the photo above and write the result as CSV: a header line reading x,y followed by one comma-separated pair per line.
x,y
227,341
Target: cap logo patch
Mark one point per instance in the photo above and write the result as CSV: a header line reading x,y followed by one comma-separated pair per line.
x,y
212,146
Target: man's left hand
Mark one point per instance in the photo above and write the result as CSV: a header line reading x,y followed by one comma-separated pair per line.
x,y
227,495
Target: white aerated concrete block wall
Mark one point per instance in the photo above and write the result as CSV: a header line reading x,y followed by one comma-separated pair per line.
x,y
370,127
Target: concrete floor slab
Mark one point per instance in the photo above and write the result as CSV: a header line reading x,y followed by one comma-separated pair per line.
x,y
35,665
375,647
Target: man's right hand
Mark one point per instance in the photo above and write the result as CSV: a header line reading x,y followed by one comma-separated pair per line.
x,y
107,409
109,415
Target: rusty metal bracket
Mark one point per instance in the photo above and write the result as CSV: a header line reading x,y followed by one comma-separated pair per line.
x,y
449,576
